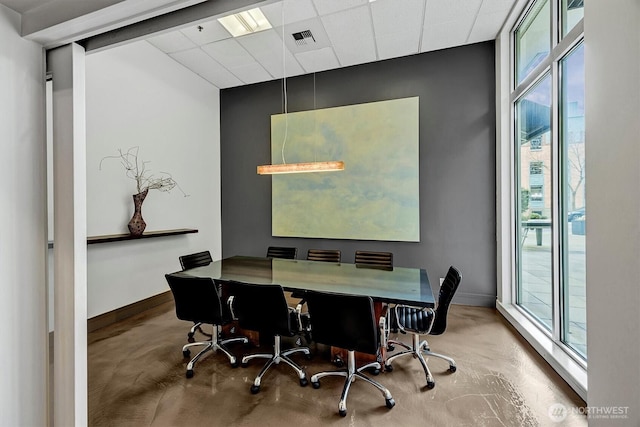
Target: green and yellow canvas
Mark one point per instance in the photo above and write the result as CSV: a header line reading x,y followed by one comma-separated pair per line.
x,y
376,197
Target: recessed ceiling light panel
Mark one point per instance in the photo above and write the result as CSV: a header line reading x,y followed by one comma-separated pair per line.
x,y
246,22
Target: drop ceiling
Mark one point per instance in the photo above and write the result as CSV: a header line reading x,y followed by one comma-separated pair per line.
x,y
337,33
342,33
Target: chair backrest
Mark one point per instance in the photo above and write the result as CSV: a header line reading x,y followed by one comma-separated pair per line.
x,y
261,308
197,259
282,252
447,291
345,321
382,260
324,255
196,299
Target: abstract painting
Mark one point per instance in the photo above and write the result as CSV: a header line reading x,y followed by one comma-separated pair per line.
x,y
376,196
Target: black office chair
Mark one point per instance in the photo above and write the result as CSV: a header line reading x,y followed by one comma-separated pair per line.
x,y
197,259
324,255
194,260
197,300
282,252
346,321
425,321
369,259
263,308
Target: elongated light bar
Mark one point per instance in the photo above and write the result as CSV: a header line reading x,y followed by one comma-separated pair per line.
x,y
301,167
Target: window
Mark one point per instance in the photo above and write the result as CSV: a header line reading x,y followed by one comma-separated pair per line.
x,y
535,168
573,201
534,257
533,39
550,176
572,13
535,144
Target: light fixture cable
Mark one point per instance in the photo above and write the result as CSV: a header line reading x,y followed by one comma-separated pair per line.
x,y
284,90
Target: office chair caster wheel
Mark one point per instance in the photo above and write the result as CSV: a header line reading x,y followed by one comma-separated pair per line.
x,y
375,371
391,347
234,364
338,362
388,368
189,373
316,384
303,382
342,412
452,368
186,353
255,389
190,338
431,384
390,403
308,356
244,364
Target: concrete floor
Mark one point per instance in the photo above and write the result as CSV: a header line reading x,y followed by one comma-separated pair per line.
x,y
137,378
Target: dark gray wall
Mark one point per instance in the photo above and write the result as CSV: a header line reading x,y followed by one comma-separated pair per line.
x,y
457,160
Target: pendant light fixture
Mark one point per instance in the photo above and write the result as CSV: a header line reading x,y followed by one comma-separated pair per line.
x,y
284,167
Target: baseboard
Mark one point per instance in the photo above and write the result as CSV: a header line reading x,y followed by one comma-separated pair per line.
x,y
127,311
478,300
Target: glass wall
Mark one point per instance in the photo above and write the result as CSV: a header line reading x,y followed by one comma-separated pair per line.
x,y
550,175
533,147
573,200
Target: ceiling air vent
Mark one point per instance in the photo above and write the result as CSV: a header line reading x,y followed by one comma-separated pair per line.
x,y
303,38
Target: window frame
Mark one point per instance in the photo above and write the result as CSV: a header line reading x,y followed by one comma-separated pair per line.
x,y
561,47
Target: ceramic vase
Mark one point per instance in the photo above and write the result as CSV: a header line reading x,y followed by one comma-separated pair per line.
x,y
137,224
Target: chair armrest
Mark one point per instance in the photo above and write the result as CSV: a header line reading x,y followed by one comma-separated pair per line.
x,y
230,305
427,310
300,315
382,325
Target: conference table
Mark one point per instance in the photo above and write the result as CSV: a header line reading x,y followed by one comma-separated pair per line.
x,y
399,285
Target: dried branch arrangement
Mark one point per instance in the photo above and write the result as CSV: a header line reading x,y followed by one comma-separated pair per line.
x,y
137,170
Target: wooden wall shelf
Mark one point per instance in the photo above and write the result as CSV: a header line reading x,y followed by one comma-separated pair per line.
x,y
146,235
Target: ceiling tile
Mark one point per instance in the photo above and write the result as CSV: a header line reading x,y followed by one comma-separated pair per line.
x,y
397,27
266,47
486,27
446,34
172,42
294,11
325,7
203,65
229,53
351,33
490,19
495,6
439,11
251,73
318,60
206,32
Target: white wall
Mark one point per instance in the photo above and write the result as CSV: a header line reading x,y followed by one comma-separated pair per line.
x,y
612,78
138,96
23,233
